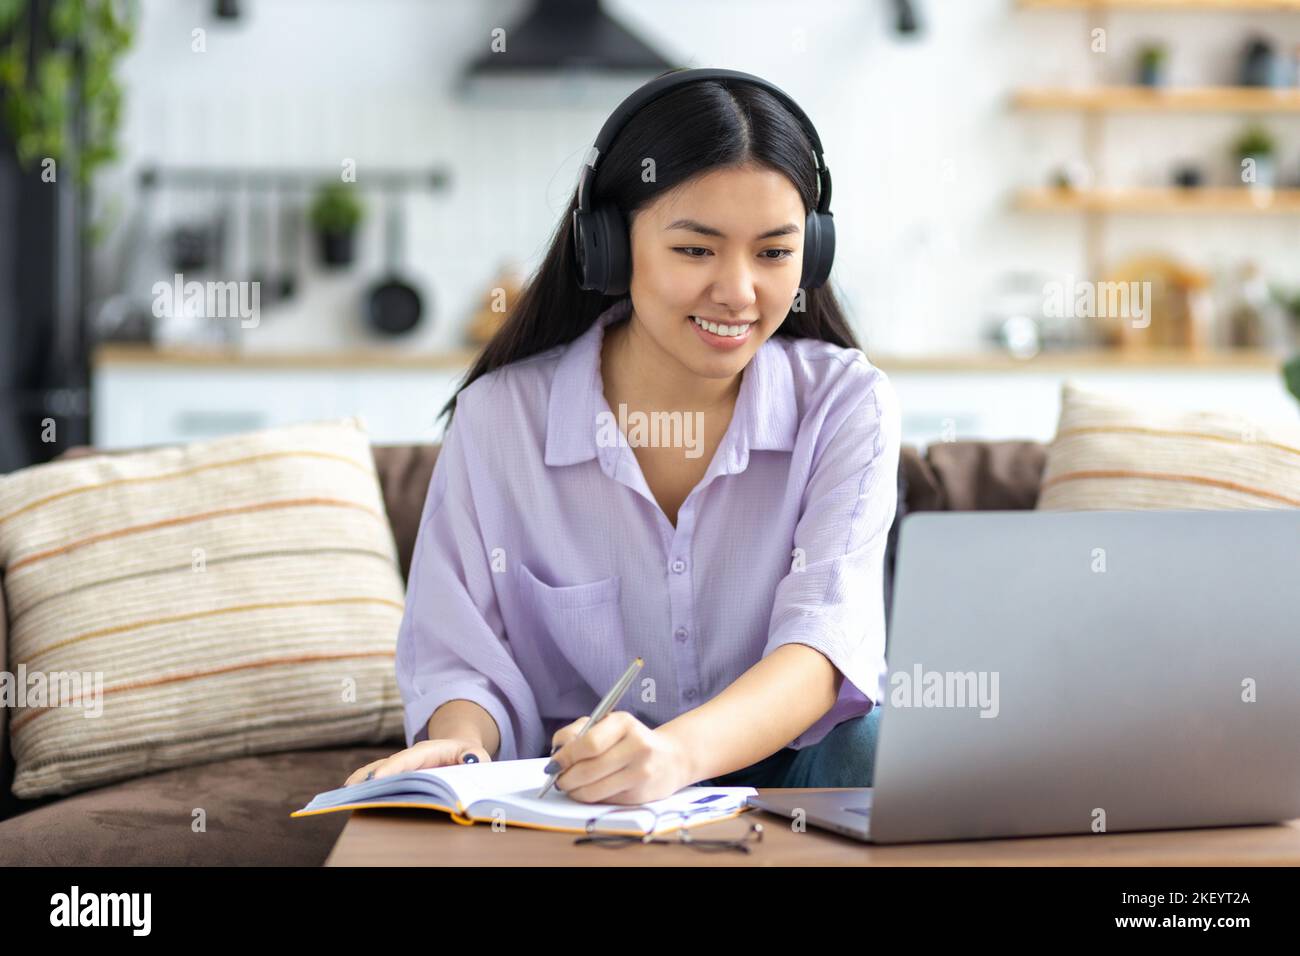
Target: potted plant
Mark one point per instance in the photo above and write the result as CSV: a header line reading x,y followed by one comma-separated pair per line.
x,y
1152,60
1290,303
1254,151
53,55
335,213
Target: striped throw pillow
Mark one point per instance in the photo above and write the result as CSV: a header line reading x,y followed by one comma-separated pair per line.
x,y
234,596
1114,455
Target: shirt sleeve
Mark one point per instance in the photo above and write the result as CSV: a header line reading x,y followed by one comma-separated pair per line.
x,y
833,598
451,644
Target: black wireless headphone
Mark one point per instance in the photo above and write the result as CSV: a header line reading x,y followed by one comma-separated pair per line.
x,y
601,246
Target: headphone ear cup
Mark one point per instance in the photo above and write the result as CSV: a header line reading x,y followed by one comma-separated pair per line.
x,y
811,249
818,249
600,250
616,254
587,263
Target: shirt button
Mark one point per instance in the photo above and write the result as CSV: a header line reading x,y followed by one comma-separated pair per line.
x,y
690,693
679,566
681,634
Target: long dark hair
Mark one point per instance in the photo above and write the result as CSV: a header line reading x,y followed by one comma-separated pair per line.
x,y
693,129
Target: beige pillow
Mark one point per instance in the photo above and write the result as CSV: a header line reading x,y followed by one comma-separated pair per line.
x,y
1116,455
233,596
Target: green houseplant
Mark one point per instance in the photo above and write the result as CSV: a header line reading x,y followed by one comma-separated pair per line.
x,y
51,54
1151,64
335,214
1291,375
1290,301
1256,144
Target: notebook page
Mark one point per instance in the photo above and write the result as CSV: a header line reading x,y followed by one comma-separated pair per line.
x,y
472,782
558,809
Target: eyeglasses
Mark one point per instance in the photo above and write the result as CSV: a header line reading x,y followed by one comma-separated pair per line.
x,y
682,834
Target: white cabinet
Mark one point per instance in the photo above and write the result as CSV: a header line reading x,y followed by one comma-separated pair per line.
x,y
162,403
993,404
402,405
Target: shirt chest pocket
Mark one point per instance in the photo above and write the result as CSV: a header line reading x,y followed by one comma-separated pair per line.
x,y
576,631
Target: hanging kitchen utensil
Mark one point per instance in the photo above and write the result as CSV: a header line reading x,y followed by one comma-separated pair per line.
x,y
223,210
240,204
127,314
191,239
393,306
289,237
225,328
259,244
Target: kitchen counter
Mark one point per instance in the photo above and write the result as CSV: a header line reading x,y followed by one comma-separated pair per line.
x,y
986,361
118,354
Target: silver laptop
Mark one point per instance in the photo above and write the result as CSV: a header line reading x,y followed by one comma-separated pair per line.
x,y
1083,672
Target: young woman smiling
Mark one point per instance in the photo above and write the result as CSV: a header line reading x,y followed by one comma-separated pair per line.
x,y
748,577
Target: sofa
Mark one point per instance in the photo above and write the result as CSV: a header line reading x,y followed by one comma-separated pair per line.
x,y
147,820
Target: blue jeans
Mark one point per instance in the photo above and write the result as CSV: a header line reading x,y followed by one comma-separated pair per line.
x,y
845,757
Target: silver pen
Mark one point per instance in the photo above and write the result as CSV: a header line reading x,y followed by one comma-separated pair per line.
x,y
604,707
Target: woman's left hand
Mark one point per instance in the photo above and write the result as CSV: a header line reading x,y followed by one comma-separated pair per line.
x,y
620,760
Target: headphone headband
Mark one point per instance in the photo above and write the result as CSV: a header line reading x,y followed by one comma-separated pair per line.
x,y
602,256
658,87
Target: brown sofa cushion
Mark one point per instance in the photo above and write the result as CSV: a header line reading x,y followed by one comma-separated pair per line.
x,y
404,474
148,821
975,476
920,483
961,476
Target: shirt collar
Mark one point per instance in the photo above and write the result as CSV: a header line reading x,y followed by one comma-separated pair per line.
x,y
765,417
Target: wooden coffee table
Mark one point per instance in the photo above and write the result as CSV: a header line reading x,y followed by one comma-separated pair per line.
x,y
408,837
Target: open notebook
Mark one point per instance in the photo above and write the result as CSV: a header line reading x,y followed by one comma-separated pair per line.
x,y
507,789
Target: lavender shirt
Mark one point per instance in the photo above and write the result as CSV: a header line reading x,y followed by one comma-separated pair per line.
x,y
544,566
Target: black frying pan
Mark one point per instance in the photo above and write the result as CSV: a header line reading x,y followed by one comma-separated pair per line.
x,y
393,307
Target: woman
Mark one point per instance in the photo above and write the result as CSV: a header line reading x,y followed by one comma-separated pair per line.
x,y
738,548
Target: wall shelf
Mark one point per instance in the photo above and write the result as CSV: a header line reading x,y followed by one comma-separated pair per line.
x,y
1203,200
1121,99
1164,5
1094,104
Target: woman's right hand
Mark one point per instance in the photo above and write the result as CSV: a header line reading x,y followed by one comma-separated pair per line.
x,y
425,754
